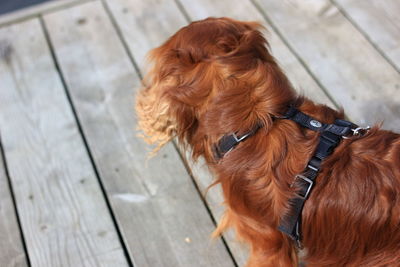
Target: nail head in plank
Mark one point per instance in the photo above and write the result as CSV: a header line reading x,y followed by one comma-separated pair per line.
x,y
65,222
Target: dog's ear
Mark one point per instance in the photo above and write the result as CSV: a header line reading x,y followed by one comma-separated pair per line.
x,y
172,90
176,87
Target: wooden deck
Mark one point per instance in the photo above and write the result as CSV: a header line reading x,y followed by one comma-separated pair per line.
x,y
75,186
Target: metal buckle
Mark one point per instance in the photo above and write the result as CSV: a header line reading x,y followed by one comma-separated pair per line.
x,y
310,185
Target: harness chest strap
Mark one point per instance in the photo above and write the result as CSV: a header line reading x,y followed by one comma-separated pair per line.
x,y
331,135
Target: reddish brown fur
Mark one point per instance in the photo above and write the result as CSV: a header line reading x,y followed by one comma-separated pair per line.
x,y
216,77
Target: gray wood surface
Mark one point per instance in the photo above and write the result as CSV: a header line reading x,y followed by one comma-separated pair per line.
x,y
146,24
62,210
380,21
11,248
161,216
345,63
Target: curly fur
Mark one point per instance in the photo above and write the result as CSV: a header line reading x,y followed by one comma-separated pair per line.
x,y
215,77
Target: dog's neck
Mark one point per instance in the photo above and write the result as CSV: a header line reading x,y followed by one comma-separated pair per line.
x,y
230,140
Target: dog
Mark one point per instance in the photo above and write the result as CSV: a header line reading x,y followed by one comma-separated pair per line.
x,y
216,78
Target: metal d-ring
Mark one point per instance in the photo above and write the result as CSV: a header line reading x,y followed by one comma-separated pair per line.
x,y
357,131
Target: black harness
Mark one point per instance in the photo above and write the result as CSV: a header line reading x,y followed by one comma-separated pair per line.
x,y
331,135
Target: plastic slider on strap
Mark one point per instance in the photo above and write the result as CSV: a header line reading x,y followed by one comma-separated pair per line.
x,y
338,130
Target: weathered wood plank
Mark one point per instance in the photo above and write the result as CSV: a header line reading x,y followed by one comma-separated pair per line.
x,y
159,211
62,210
348,66
380,21
11,248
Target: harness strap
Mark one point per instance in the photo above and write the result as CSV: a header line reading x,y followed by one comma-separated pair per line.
x,y
331,135
340,127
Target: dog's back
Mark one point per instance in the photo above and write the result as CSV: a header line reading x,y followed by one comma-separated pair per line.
x,y
353,216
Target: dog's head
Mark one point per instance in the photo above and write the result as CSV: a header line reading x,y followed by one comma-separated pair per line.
x,y
212,77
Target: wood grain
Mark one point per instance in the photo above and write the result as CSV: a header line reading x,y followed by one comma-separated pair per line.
x,y
11,248
380,21
161,216
340,57
62,211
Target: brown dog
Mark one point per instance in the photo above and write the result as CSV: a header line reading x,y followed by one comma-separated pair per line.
x,y
216,77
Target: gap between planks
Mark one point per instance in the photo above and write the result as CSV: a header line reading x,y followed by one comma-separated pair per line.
x,y
122,39
186,16
297,56
366,36
69,74
3,164
51,168
87,148
346,63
